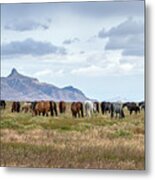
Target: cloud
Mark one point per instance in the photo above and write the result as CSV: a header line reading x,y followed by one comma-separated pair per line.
x,y
128,36
27,25
70,41
31,47
110,63
98,71
49,73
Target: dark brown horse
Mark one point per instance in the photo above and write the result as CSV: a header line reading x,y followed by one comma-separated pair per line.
x,y
62,107
77,109
15,106
53,108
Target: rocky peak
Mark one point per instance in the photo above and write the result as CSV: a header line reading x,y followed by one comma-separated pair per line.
x,y
14,73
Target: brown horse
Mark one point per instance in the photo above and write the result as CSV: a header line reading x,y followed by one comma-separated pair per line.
x,y
62,107
15,106
42,107
77,109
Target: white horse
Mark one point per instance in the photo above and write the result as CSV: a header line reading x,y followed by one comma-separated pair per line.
x,y
26,107
89,108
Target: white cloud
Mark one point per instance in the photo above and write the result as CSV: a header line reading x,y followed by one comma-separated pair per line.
x,y
49,73
88,71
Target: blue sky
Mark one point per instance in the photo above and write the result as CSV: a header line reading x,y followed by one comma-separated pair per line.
x,y
97,47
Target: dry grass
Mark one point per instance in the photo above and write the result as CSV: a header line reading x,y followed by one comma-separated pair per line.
x,y
64,142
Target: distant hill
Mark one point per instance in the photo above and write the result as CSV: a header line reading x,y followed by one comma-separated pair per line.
x,y
23,88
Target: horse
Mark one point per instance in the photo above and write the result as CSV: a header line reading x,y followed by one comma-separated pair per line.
x,y
15,107
96,105
117,108
89,108
27,106
33,105
41,107
132,106
141,105
2,104
62,107
77,109
105,107
53,108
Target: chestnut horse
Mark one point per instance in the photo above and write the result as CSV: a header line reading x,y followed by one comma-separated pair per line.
x,y
41,107
77,109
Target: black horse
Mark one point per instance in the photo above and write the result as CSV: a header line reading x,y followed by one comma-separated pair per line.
x,y
105,107
132,106
2,104
141,105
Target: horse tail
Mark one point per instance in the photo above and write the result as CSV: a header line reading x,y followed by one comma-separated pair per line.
x,y
122,114
60,107
138,109
102,108
82,110
55,108
112,110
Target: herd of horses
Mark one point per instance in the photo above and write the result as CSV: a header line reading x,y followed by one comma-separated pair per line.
x,y
78,109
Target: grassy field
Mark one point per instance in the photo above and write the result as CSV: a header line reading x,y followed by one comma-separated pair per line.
x,y
66,142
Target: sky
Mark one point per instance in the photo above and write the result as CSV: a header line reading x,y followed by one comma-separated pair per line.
x,y
97,47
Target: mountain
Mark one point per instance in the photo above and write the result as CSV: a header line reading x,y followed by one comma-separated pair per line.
x,y
23,88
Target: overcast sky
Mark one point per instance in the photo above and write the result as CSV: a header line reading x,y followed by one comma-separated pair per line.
x,y
97,47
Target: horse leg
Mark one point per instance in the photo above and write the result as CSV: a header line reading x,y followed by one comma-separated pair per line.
x,y
112,114
122,112
52,112
79,114
55,109
89,113
43,113
116,116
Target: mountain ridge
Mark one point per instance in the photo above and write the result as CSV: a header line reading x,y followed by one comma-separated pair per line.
x,y
24,88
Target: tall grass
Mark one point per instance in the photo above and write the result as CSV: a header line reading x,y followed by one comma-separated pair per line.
x,y
66,142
